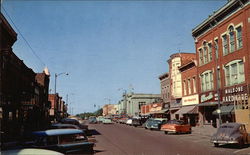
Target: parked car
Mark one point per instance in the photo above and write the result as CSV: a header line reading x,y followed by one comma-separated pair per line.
x,y
68,126
107,121
30,151
123,120
92,120
176,126
136,122
156,123
80,124
129,121
100,119
62,140
147,123
230,133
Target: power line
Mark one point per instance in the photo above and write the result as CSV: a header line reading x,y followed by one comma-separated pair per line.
x,y
33,51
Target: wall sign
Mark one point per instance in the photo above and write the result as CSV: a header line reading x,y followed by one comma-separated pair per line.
x,y
206,98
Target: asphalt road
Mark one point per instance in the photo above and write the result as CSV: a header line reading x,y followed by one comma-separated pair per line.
x,y
119,139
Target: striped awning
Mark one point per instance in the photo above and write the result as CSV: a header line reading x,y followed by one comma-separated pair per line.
x,y
185,110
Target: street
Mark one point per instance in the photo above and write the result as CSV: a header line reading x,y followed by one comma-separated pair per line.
x,y
122,139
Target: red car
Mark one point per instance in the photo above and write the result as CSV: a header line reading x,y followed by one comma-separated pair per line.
x,y
176,126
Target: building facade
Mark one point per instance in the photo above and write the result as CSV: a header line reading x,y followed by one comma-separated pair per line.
x,y
190,97
135,101
222,48
175,61
23,96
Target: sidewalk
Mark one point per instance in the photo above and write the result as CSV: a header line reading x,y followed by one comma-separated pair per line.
x,y
204,130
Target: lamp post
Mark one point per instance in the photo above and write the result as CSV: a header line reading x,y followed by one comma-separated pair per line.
x,y
56,75
124,107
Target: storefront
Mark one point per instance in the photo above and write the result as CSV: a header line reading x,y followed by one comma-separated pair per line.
x,y
189,110
209,103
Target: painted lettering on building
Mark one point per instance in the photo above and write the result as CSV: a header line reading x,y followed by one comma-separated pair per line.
x,y
206,98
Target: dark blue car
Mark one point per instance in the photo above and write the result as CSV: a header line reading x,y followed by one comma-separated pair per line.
x,y
66,141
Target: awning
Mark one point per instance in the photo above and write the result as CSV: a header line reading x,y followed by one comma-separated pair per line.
x,y
225,110
185,110
205,104
160,111
194,110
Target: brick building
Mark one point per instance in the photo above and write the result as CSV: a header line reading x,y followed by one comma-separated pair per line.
x,y
23,97
190,98
58,108
223,53
175,61
165,87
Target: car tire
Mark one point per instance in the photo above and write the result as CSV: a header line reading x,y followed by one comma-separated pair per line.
x,y
216,144
166,132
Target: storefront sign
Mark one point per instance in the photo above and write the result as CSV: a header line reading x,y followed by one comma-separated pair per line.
x,y
190,100
206,98
235,94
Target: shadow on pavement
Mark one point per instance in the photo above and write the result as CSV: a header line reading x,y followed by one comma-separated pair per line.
x,y
98,151
233,146
94,132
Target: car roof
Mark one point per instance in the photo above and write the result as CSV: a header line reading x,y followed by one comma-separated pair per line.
x,y
31,151
232,124
56,132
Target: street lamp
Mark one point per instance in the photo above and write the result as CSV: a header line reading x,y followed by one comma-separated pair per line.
x,y
124,107
217,78
56,75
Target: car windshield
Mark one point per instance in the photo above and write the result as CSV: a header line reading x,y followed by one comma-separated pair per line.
x,y
157,121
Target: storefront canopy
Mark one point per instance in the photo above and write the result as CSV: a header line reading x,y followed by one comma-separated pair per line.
x,y
225,110
205,104
185,110
160,111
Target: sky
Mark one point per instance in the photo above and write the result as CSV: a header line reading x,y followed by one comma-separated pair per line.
x,y
107,47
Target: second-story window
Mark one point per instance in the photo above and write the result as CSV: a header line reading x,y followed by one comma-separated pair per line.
x,y
194,84
239,37
209,52
205,55
225,44
231,39
201,56
216,48
234,72
189,87
184,87
206,80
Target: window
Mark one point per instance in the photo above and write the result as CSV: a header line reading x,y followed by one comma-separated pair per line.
x,y
201,56
225,44
218,80
205,55
231,39
216,48
239,37
206,80
194,84
184,87
209,52
227,75
189,87
234,72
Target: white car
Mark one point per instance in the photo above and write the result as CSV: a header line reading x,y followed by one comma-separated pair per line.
x,y
129,122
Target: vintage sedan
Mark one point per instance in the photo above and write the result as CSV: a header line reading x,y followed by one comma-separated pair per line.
x,y
156,123
66,141
230,133
107,121
176,126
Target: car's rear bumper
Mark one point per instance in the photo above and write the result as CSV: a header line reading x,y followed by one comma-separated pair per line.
x,y
225,141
